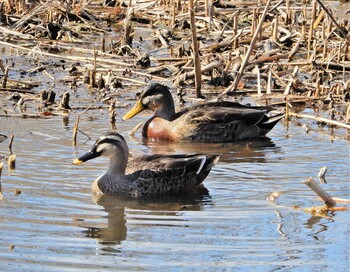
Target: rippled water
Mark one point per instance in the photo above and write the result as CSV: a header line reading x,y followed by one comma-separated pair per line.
x,y
55,224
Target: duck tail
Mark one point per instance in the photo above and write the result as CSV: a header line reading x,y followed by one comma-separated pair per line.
x,y
207,162
271,119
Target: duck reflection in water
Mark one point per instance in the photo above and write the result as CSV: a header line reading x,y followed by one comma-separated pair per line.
x,y
253,150
113,232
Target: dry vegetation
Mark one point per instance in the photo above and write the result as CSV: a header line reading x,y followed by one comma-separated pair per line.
x,y
281,53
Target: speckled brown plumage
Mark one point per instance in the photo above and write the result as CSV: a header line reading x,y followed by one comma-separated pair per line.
x,y
147,175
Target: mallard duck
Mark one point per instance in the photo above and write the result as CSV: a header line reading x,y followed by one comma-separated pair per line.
x,y
214,122
146,175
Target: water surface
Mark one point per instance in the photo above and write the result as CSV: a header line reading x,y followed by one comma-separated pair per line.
x,y
56,224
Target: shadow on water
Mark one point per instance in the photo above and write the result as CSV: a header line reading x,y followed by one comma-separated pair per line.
x,y
253,150
115,231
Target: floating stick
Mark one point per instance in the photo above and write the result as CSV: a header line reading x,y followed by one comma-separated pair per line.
x,y
320,119
320,192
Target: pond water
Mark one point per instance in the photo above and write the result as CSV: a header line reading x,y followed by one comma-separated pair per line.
x,y
56,224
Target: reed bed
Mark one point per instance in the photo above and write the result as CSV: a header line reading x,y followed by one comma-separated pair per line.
x,y
281,53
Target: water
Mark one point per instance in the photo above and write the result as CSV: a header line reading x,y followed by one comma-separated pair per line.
x,y
56,224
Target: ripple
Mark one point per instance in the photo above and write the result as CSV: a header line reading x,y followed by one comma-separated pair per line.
x,y
56,224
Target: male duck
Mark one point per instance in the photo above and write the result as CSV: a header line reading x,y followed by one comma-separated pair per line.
x,y
213,122
146,175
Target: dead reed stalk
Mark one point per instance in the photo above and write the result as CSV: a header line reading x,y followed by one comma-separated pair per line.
x,y
197,64
234,85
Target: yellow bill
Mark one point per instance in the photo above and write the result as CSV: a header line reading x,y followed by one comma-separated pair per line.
x,y
135,110
77,162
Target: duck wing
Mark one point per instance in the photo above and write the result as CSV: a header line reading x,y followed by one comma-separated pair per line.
x,y
169,174
223,112
224,122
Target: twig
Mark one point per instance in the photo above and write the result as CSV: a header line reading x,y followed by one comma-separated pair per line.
x,y
72,58
75,130
204,69
136,128
320,119
26,115
329,201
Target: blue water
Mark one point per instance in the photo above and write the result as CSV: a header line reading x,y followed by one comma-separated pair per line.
x,y
56,224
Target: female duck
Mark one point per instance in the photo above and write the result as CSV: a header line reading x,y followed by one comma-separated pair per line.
x,y
146,175
213,122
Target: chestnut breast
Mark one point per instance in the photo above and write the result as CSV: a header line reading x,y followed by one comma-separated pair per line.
x,y
160,129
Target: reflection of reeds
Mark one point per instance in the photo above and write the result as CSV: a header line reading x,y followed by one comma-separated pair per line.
x,y
1,166
11,161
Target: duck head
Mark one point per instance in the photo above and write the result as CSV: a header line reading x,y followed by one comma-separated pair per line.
x,y
156,98
111,145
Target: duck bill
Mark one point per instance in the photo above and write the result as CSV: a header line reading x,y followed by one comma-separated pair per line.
x,y
88,156
135,110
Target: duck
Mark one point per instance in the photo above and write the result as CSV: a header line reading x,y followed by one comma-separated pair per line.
x,y
147,175
212,122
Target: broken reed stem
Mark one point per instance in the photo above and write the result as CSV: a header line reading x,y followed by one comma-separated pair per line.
x,y
275,30
320,119
94,72
75,130
112,114
103,44
127,40
11,141
345,36
329,201
322,172
292,80
209,67
206,7
295,48
235,28
234,85
318,19
69,57
287,109
258,79
2,68
313,18
197,64
173,18
11,162
6,73
135,129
